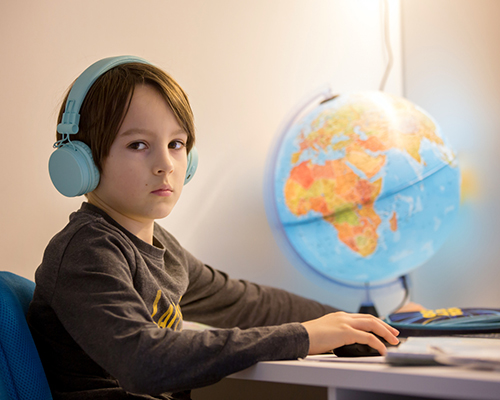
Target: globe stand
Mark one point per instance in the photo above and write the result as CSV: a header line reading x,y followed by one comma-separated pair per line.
x,y
368,308
367,305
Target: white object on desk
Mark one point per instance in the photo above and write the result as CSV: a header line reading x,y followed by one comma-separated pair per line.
x,y
460,351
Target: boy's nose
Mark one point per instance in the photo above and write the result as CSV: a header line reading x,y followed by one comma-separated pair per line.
x,y
163,162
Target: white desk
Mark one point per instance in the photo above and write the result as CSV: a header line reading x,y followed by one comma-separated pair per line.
x,y
346,380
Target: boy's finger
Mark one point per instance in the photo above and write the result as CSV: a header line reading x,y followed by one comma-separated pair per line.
x,y
394,331
377,327
372,341
378,345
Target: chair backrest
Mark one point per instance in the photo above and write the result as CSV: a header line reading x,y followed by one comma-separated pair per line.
x,y
21,373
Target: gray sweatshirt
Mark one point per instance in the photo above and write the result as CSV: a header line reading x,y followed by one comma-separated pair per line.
x,y
108,309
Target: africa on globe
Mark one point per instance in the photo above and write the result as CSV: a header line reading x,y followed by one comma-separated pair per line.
x,y
363,188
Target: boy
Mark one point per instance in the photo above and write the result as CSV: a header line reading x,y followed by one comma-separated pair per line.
x,y
114,287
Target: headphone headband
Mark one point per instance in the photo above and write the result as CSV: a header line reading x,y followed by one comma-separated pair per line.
x,y
71,117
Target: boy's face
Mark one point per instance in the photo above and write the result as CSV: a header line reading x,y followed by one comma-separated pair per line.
x,y
144,173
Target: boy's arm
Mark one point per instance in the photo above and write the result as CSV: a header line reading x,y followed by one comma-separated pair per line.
x,y
215,299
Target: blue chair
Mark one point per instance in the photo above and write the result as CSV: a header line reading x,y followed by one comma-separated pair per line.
x,y
21,373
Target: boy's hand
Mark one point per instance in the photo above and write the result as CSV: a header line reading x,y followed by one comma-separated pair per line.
x,y
340,328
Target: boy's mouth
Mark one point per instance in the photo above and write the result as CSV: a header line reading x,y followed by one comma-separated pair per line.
x,y
163,191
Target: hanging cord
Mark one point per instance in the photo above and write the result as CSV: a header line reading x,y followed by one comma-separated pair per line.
x,y
387,41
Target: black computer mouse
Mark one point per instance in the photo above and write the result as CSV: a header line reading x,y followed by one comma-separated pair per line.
x,y
355,350
359,350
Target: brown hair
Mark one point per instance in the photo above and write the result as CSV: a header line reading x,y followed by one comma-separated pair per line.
x,y
108,100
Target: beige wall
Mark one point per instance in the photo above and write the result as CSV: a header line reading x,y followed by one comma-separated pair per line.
x,y
452,69
244,65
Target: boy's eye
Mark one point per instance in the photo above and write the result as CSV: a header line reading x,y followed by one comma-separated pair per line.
x,y
177,144
137,146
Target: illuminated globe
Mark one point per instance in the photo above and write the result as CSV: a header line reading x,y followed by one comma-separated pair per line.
x,y
364,188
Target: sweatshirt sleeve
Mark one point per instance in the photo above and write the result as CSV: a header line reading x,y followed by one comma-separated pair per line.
x,y
214,299
95,300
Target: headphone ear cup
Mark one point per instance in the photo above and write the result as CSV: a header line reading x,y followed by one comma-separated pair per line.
x,y
72,169
192,164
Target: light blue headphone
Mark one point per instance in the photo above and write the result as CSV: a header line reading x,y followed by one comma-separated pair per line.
x,y
71,166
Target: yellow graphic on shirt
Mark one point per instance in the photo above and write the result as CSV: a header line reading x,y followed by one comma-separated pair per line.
x,y
169,319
